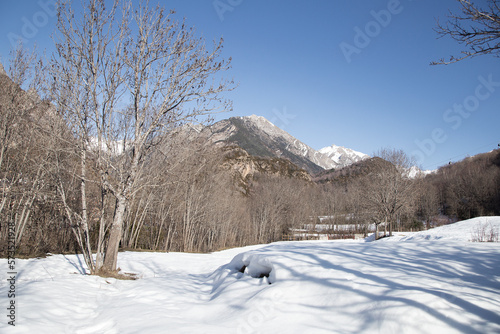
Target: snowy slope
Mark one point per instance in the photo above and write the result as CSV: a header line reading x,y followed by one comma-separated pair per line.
x,y
466,230
418,284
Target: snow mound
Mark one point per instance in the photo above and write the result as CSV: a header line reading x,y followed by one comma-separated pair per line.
x,y
256,266
243,266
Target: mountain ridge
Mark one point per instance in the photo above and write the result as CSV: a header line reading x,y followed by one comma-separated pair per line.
x,y
259,137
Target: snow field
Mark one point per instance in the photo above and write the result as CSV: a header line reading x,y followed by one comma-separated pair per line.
x,y
427,282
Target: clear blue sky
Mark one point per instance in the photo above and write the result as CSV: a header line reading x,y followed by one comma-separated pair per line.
x,y
305,66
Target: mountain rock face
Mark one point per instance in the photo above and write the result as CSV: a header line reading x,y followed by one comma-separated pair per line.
x,y
245,167
261,138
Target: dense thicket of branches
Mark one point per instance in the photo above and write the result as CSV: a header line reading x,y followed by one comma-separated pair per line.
x,y
469,188
28,201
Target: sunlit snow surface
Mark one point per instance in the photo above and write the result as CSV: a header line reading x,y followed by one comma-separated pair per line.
x,y
427,282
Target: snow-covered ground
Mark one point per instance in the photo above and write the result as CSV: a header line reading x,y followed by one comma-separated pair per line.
x,y
427,282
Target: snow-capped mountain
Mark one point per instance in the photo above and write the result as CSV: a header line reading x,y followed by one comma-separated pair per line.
x,y
259,137
342,156
415,172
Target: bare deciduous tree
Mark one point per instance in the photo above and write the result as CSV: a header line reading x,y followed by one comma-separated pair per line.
x,y
124,80
390,191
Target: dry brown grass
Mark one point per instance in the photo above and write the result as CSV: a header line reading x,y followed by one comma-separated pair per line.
x,y
117,275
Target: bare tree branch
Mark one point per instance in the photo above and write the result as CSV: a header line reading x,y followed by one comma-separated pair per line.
x,y
476,28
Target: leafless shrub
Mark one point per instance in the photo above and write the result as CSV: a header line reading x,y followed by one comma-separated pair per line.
x,y
485,232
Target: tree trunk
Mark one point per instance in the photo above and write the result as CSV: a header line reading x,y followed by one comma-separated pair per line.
x,y
115,235
99,261
85,221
